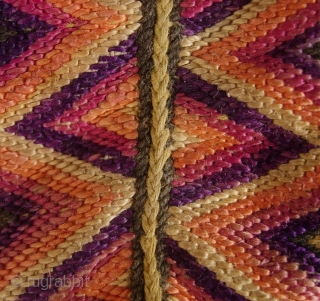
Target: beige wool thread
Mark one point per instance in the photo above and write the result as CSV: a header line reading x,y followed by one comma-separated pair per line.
x,y
159,152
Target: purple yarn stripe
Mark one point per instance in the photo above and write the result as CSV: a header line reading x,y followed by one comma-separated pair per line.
x,y
118,226
192,85
202,276
211,15
280,239
76,146
252,167
32,127
19,207
19,22
289,51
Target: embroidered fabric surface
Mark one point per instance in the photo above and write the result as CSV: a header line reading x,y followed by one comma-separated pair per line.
x,y
159,150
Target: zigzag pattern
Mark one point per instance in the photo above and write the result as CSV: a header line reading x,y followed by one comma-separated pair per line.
x,y
88,140
245,200
68,135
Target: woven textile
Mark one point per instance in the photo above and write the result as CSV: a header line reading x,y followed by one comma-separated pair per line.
x,y
159,150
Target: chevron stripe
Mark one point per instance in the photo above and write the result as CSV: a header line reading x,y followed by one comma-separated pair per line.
x,y
245,215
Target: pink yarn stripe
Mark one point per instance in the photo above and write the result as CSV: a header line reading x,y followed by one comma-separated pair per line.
x,y
210,116
38,50
46,11
100,136
189,8
292,210
185,281
35,52
213,164
290,76
296,25
29,189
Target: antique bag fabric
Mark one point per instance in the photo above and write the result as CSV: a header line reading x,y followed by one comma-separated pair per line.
x,y
159,150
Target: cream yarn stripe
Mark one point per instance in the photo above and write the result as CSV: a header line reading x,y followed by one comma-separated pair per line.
x,y
159,152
